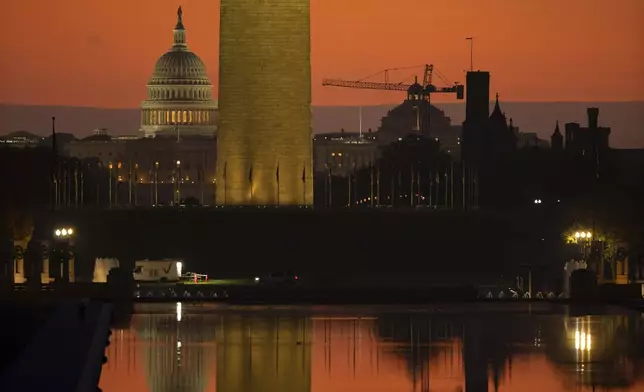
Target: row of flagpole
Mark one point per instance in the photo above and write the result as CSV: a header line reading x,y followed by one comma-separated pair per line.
x,y
416,186
250,181
69,184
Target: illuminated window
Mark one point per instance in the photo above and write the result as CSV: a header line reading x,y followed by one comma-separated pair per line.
x,y
174,116
185,117
190,117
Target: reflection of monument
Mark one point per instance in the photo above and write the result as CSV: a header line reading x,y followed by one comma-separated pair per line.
x,y
175,357
267,354
264,149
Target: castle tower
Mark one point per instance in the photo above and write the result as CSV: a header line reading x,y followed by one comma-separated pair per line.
x,y
264,147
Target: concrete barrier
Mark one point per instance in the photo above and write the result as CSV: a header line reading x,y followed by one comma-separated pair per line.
x,y
67,354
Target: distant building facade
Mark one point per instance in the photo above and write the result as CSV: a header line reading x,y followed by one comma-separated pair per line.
x,y
340,153
21,139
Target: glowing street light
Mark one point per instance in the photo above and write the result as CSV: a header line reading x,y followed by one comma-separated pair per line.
x,y
64,232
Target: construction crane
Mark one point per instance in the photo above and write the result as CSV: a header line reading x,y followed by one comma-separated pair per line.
x,y
429,88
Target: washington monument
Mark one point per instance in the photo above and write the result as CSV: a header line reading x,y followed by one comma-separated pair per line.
x,y
264,145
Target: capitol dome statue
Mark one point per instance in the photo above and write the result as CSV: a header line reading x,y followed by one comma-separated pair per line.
x,y
179,101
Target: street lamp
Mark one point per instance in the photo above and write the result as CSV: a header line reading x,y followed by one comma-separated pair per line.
x,y
65,237
584,235
64,232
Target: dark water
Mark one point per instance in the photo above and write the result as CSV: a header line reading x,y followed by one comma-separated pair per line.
x,y
477,347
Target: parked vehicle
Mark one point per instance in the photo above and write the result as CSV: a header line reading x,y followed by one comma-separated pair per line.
x,y
278,278
167,270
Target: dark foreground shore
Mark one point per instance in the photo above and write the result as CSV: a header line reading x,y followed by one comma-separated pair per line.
x,y
21,320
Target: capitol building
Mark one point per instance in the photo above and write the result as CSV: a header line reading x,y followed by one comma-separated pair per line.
x,y
179,98
173,157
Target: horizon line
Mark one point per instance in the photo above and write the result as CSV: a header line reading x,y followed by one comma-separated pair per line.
x,y
331,105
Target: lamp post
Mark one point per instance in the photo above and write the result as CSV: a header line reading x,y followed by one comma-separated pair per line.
x,y
64,237
109,182
156,181
178,191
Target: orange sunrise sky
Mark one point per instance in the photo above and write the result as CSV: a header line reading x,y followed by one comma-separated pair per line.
x,y
101,53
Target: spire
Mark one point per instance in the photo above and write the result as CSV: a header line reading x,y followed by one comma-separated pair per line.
x,y
557,140
497,115
557,132
179,32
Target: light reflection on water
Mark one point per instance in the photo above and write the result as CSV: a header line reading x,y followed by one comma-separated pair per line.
x,y
514,347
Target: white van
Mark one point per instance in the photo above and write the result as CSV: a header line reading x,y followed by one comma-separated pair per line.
x,y
166,270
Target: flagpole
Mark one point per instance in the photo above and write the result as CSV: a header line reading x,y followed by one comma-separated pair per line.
x,y
452,185
371,187
431,190
304,185
151,182
393,186
446,189
225,182
54,165
98,184
156,183
411,193
277,178
330,187
418,187
463,181
136,183
203,178
76,193
250,180
378,186
82,188
129,183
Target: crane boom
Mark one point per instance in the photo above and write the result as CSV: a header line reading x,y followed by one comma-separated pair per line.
x,y
384,86
456,88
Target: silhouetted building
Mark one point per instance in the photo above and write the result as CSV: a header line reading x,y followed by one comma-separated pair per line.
x,y
557,140
477,114
592,140
500,138
415,116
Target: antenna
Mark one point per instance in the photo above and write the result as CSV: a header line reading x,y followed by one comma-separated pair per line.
x,y
471,39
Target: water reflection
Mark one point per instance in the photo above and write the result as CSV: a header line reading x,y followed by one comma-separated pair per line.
x,y
517,347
